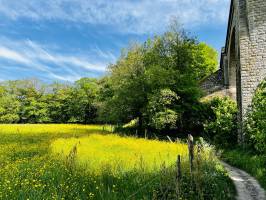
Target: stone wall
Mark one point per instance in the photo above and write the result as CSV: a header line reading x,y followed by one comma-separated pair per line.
x,y
245,50
213,83
243,59
252,45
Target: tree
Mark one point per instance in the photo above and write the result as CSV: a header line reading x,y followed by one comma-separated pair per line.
x,y
85,93
173,62
155,84
9,107
127,83
33,108
163,110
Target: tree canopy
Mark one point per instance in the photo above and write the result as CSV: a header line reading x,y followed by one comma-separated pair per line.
x,y
155,83
158,82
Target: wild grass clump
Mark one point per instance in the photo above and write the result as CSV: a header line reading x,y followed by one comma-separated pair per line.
x,y
85,162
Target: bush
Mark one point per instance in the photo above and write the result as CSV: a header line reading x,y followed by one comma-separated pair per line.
x,y
255,126
221,127
162,110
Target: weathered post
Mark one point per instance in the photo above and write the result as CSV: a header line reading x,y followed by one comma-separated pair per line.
x,y
178,167
190,151
199,147
178,175
169,139
145,133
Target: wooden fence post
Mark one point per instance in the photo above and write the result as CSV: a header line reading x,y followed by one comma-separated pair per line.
x,y
199,148
178,175
190,151
178,167
145,133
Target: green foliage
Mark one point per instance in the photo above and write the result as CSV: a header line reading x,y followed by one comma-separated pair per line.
x,y
85,94
9,107
206,59
255,126
128,90
162,109
221,128
173,63
34,110
30,101
166,119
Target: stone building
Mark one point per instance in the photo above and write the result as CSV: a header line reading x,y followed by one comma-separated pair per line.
x,y
243,59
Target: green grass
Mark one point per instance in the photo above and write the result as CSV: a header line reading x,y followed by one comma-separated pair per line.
x,y
85,162
248,161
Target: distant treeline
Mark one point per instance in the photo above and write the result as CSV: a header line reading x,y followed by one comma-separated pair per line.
x,y
31,101
154,85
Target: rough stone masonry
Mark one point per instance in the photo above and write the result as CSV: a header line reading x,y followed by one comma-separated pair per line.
x,y
243,59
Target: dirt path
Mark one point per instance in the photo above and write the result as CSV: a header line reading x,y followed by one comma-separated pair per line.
x,y
247,187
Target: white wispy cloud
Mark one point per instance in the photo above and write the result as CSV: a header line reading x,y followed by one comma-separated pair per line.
x,y
12,55
140,16
26,54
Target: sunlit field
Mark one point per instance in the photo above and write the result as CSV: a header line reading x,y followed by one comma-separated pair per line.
x,y
119,154
90,162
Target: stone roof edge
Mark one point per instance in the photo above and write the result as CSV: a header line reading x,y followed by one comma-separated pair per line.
x,y
229,24
207,77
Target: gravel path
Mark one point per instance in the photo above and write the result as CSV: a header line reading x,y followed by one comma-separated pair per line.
x,y
247,187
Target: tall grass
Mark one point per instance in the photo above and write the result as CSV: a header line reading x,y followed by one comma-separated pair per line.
x,y
120,154
85,162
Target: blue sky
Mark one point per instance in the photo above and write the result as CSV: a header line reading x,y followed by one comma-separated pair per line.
x,y
64,40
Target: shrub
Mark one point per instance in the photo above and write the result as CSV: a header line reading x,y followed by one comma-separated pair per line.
x,y
255,126
221,127
163,110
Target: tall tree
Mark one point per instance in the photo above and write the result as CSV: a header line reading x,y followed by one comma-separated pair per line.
x,y
173,62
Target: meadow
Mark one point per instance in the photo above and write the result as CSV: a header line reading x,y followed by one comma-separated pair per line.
x,y
90,162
